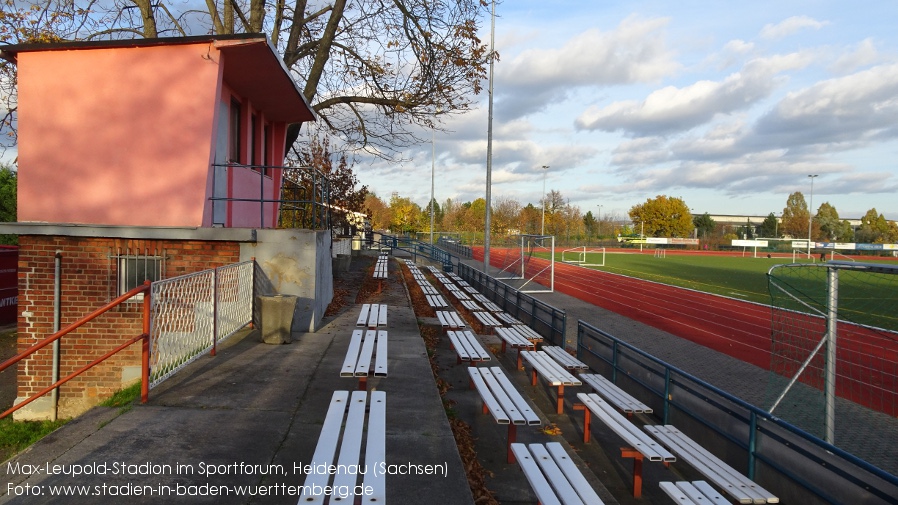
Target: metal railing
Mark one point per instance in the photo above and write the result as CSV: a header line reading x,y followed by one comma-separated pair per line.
x,y
144,337
304,200
547,320
183,318
799,467
192,314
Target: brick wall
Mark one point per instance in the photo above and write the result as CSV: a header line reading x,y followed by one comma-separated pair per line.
x,y
88,281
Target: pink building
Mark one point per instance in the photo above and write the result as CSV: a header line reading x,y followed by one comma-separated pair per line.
x,y
130,131
148,159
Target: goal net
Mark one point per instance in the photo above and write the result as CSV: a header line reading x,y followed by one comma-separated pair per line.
x,y
517,263
834,351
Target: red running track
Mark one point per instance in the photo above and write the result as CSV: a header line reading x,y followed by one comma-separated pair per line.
x,y
734,327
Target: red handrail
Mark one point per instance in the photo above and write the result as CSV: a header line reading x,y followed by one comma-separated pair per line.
x,y
145,348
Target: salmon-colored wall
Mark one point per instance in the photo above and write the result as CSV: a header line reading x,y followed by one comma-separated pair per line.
x,y
116,136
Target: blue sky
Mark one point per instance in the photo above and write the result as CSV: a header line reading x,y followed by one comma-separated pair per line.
x,y
728,105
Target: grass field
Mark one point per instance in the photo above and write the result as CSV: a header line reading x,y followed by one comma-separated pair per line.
x,y
736,277
744,278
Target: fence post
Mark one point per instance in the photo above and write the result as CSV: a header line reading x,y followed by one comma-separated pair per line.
x,y
214,311
752,442
666,414
145,346
614,362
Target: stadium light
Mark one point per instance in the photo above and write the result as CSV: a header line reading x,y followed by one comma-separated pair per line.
x,y
433,163
543,229
810,216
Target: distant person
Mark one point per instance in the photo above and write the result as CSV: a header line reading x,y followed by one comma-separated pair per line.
x,y
822,256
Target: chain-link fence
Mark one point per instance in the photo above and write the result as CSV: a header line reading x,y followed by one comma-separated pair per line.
x,y
192,313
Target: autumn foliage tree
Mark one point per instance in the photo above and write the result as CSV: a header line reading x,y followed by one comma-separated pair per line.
x,y
663,216
346,195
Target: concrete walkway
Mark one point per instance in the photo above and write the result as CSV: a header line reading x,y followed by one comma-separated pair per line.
x,y
252,404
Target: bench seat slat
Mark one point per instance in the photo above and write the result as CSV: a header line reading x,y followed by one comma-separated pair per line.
x,y
327,445
556,476
352,354
375,449
530,417
528,332
380,354
351,446
492,404
363,315
364,357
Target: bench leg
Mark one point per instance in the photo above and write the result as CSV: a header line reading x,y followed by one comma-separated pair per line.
x,y
560,403
363,383
503,346
627,452
520,359
533,378
587,417
512,438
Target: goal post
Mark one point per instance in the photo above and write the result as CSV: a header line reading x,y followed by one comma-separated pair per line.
x,y
517,268
584,257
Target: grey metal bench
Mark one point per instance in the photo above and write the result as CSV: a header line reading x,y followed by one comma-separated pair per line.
x,y
512,337
732,482
372,315
553,475
640,445
554,374
467,347
347,428
692,493
563,358
502,400
366,346
617,396
436,301
487,319
450,319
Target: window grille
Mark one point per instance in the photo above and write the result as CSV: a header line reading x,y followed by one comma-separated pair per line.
x,y
132,267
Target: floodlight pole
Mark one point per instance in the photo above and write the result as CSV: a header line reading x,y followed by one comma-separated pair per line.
x,y
489,148
543,228
810,216
433,163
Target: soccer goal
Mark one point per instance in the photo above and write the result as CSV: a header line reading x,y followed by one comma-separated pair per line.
x,y
519,265
834,341
660,253
582,256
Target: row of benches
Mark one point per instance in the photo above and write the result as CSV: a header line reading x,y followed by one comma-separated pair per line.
x,y
553,477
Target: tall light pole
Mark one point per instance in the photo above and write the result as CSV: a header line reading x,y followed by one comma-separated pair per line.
x,y
810,216
545,171
489,147
433,163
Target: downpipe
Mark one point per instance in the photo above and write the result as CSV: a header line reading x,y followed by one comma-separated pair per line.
x,y
57,307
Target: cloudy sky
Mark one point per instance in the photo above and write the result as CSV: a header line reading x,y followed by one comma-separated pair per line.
x,y
728,105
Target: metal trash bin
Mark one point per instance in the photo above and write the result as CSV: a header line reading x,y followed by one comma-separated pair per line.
x,y
277,318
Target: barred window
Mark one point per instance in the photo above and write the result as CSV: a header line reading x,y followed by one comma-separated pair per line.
x,y
131,270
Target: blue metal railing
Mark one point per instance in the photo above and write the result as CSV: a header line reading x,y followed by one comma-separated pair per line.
x,y
799,467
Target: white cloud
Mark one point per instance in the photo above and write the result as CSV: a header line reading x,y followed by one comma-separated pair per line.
x,y
851,109
863,54
671,109
790,26
633,52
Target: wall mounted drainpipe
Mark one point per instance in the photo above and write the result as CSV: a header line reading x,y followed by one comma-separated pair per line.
x,y
57,304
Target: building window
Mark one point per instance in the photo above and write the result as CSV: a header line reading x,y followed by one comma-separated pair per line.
x,y
133,270
235,133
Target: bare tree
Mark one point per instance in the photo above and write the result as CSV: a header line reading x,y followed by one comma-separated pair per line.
x,y
373,70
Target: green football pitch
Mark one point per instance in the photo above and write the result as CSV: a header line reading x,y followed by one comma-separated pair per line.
x,y
741,277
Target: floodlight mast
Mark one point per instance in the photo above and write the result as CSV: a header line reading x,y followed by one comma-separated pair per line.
x,y
489,149
810,216
543,228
